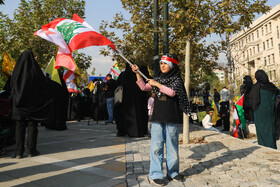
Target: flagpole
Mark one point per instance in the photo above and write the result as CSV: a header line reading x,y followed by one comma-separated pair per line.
x,y
132,65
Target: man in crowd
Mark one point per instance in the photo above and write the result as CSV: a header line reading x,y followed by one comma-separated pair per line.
x,y
109,94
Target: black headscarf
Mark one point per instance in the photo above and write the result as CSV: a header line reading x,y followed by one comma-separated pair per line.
x,y
29,89
173,80
262,83
248,83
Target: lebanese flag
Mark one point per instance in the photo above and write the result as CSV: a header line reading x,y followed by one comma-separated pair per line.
x,y
71,35
51,34
238,116
89,38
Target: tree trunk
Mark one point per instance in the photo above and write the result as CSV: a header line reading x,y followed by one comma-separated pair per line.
x,y
230,83
187,85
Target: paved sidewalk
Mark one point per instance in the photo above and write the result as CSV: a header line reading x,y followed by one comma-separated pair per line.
x,y
221,161
92,155
82,155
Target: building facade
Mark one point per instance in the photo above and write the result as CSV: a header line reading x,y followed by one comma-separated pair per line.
x,y
220,73
258,47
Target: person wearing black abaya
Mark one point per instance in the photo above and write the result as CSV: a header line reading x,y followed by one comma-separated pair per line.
x,y
87,104
99,111
263,96
132,114
7,125
61,96
31,102
247,105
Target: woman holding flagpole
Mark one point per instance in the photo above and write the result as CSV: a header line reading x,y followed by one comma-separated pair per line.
x,y
170,102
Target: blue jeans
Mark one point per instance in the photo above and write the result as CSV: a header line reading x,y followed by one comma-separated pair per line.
x,y
218,106
110,108
170,133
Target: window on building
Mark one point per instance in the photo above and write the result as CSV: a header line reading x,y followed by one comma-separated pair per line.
x,y
249,38
222,77
263,45
273,59
267,44
258,34
279,48
270,77
250,52
271,40
258,47
268,59
262,31
266,29
277,32
274,74
254,50
252,36
265,61
270,27
243,54
217,73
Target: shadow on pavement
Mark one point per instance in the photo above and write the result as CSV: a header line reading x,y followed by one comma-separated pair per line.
x,y
226,157
210,147
78,165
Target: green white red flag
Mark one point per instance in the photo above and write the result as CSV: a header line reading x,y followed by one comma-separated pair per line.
x,y
114,71
238,116
71,35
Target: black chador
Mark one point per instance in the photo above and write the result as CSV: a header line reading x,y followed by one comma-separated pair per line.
x,y
132,114
32,101
60,96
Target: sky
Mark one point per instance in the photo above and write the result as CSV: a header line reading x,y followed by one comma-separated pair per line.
x,y
95,12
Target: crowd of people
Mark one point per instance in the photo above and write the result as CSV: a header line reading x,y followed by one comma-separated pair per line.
x,y
152,106
260,105
221,101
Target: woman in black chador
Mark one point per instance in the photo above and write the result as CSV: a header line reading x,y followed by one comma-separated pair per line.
x,y
263,96
247,105
31,100
131,115
99,110
61,97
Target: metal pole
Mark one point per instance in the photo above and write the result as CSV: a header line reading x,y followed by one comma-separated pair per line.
x,y
165,28
187,85
132,65
156,39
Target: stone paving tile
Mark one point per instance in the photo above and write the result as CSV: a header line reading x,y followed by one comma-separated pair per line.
x,y
222,161
83,155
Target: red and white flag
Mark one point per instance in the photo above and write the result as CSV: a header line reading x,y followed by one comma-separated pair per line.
x,y
71,35
68,77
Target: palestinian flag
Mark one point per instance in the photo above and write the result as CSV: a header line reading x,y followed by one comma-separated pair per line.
x,y
71,35
238,116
